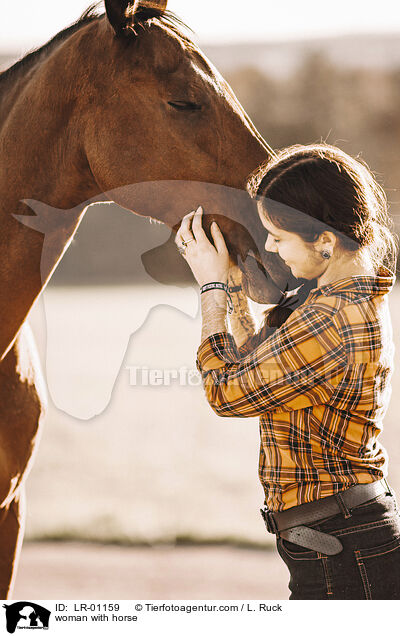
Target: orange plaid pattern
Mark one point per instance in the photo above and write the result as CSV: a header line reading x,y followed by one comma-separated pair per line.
x,y
320,385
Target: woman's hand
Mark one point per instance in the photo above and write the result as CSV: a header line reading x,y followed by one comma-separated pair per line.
x,y
208,262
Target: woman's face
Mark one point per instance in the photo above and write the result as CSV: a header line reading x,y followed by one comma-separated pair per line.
x,y
302,258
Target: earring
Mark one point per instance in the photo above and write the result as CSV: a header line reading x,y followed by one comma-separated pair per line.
x,y
326,254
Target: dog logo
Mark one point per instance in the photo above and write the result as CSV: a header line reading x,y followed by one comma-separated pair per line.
x,y
26,615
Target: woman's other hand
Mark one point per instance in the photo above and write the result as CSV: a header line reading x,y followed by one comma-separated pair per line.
x,y
209,262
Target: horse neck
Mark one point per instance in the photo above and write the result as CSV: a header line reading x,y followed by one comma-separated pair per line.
x,y
41,159
41,148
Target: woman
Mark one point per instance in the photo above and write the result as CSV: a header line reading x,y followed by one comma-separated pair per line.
x,y
320,382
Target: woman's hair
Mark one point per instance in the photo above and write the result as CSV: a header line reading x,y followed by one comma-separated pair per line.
x,y
311,189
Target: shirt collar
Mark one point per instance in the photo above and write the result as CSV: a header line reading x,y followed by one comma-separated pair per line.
x,y
359,286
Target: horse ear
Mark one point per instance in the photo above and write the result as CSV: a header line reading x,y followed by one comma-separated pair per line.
x,y
117,13
120,13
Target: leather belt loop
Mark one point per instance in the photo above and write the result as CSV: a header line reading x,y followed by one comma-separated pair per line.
x,y
344,509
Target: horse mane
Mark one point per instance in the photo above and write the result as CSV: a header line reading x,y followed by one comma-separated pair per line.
x,y
143,19
28,60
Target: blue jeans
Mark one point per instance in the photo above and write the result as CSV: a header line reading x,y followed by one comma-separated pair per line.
x,y
367,568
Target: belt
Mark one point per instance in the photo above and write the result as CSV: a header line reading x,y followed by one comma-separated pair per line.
x,y
289,524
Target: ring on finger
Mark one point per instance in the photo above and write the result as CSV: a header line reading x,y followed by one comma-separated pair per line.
x,y
185,243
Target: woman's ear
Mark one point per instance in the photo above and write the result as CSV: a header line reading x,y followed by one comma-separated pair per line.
x,y
122,13
326,240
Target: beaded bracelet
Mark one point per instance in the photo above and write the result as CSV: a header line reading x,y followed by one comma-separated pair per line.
x,y
219,285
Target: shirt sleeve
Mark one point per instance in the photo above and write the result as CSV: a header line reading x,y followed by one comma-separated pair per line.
x,y
255,340
298,366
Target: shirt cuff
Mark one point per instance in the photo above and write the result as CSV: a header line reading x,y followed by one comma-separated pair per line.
x,y
216,351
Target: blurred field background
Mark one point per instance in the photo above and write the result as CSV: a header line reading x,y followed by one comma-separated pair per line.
x,y
144,466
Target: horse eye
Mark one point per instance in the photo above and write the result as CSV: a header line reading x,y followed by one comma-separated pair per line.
x,y
188,106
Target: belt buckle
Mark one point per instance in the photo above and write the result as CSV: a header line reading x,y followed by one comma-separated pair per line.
x,y
269,520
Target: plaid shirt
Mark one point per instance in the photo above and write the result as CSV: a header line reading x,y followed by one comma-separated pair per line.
x,y
320,384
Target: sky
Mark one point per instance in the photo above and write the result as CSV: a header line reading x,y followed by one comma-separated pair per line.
x,y
29,23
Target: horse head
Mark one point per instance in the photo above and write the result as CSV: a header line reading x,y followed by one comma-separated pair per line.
x,y
158,113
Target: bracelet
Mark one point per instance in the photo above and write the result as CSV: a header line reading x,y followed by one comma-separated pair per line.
x,y
218,285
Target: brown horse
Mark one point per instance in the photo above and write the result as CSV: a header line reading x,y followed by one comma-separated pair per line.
x,y
114,100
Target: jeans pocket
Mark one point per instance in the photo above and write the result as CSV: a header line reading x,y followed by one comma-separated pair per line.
x,y
295,551
378,567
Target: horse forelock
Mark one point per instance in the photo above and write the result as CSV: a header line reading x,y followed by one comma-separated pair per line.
x,y
145,17
161,43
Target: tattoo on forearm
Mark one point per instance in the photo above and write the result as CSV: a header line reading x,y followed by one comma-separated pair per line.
x,y
213,311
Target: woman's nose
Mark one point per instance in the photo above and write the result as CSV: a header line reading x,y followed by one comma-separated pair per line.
x,y
270,246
